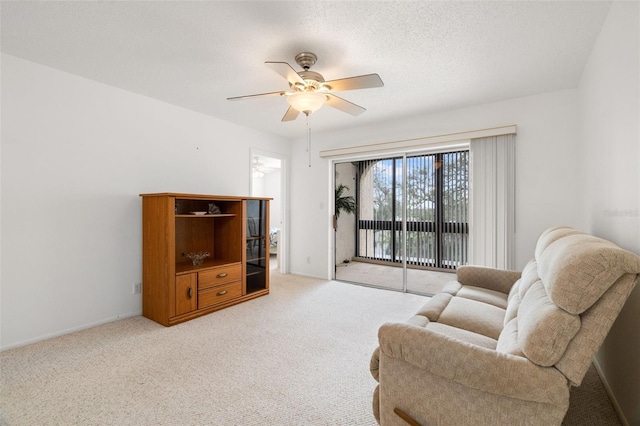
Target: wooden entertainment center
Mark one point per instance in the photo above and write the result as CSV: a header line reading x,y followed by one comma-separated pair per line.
x,y
234,231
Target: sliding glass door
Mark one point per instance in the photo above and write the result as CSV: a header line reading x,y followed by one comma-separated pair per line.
x,y
411,221
437,218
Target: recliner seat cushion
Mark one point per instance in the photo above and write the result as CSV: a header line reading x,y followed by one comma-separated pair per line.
x,y
492,297
464,335
474,316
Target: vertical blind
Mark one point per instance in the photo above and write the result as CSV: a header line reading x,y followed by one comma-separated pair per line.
x,y
493,201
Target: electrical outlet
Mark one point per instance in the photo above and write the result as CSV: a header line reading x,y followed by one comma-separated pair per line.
x,y
137,288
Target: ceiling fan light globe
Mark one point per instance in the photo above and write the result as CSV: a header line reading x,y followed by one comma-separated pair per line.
x,y
307,102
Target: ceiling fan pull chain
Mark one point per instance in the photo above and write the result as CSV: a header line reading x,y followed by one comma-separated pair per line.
x,y
308,140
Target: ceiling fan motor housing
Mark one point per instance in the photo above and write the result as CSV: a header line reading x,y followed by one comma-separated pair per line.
x,y
311,75
306,60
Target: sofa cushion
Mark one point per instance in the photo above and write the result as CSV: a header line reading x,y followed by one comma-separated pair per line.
x,y
513,305
489,278
551,235
474,316
528,277
543,330
577,269
464,335
492,297
418,321
374,364
508,340
452,287
434,307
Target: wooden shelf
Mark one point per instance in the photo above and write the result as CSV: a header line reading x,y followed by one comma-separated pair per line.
x,y
191,216
173,288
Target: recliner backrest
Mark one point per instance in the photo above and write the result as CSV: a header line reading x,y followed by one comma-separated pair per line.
x,y
566,300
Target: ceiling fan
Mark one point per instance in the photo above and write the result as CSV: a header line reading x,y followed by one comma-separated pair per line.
x,y
309,91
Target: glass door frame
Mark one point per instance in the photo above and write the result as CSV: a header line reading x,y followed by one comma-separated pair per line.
x,y
404,155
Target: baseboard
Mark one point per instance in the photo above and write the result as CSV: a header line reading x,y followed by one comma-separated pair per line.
x,y
304,274
610,394
68,331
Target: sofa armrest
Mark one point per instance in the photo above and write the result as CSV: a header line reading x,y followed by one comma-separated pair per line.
x,y
374,364
470,365
489,278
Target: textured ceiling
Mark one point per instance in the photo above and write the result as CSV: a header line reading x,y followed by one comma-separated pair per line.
x,y
431,55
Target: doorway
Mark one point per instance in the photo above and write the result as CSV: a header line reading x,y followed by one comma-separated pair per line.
x,y
409,231
268,177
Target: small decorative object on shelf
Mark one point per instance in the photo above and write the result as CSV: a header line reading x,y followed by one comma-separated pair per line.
x,y
198,258
213,209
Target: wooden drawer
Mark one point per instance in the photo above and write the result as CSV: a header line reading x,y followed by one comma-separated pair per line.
x,y
218,276
215,295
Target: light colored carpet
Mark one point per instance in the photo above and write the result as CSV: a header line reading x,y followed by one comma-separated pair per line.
x,y
299,356
590,405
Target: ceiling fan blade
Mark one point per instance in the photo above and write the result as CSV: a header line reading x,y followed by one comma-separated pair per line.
x,y
285,70
344,105
353,83
291,114
236,98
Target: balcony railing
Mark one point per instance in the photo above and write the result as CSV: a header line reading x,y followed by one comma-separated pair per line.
x,y
382,241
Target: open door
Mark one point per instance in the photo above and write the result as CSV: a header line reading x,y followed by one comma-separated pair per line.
x,y
268,173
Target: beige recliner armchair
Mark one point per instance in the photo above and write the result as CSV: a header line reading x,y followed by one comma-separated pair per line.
x,y
503,347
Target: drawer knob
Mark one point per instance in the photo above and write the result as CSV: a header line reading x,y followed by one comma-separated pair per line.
x,y
221,275
222,293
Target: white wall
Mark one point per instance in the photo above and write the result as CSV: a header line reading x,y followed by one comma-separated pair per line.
x,y
610,124
310,223
75,156
272,189
269,186
547,178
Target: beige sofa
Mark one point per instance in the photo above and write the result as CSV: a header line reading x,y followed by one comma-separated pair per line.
x,y
504,347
